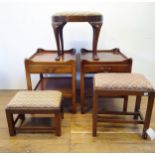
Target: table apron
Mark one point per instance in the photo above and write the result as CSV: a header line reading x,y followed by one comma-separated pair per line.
x,y
50,69
106,68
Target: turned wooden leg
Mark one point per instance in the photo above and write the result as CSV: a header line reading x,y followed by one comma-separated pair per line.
x,y
58,123
58,31
137,106
96,30
10,122
56,28
61,40
148,114
95,105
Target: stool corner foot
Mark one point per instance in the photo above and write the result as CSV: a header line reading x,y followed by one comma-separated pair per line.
x,y
94,134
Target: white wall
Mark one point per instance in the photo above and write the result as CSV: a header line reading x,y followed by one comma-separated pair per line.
x,y
26,25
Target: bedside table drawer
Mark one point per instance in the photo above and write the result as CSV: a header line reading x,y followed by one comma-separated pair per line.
x,y
50,68
106,68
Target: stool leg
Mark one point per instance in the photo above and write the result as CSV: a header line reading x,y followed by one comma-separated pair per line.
x,y
58,123
137,106
61,38
57,29
10,122
125,104
148,114
96,30
95,103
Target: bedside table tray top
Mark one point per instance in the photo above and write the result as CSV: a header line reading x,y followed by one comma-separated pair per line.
x,y
48,56
109,61
43,61
113,55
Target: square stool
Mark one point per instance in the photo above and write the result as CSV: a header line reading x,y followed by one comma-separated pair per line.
x,y
117,84
34,102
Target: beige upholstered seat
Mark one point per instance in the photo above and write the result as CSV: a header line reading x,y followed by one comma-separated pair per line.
x,y
121,81
36,99
86,13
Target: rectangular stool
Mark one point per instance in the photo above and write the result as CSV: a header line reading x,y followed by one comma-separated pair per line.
x,y
34,102
117,84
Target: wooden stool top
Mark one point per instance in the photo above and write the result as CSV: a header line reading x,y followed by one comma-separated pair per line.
x,y
122,82
36,99
77,17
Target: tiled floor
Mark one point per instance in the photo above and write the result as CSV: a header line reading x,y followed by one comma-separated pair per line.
x,y
76,133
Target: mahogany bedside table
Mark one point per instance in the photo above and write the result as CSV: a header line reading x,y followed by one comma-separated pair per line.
x,y
42,62
109,61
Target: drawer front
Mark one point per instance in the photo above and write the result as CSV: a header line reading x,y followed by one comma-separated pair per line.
x,y
106,68
50,68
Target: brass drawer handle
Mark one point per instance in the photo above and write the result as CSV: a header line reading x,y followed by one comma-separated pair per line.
x,y
50,69
102,68
106,68
109,68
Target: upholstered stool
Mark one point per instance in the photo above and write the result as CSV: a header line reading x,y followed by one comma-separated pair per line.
x,y
59,20
34,102
117,84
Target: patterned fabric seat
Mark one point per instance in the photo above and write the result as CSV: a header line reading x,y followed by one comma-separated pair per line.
x,y
121,81
86,13
36,99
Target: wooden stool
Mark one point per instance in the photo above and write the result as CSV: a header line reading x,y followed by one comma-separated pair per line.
x,y
60,19
34,102
117,84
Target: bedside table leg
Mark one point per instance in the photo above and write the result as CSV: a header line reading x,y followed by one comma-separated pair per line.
x,y
73,107
28,76
82,91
